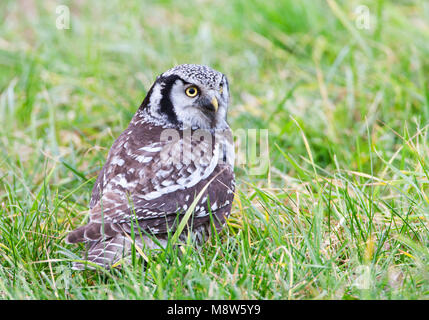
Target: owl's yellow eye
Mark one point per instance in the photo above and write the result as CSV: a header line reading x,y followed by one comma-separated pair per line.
x,y
221,89
191,92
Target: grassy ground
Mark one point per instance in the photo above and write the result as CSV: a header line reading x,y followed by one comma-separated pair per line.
x,y
341,213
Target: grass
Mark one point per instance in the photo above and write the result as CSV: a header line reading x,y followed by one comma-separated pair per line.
x,y
342,211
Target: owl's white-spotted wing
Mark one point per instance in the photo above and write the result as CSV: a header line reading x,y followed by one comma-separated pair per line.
x,y
152,182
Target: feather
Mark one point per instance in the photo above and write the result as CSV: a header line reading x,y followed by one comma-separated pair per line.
x,y
153,172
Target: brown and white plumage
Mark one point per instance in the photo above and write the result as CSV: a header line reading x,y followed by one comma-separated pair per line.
x,y
176,143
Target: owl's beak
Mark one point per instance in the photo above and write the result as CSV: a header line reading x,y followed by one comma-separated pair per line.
x,y
215,104
210,105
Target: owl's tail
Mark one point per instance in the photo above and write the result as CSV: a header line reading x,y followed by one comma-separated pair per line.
x,y
106,246
93,231
105,253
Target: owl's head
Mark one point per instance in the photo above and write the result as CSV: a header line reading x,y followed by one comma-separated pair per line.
x,y
189,96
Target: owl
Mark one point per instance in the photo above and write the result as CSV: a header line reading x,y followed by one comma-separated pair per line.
x,y
178,147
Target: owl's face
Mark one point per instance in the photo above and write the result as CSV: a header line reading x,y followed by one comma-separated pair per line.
x,y
189,96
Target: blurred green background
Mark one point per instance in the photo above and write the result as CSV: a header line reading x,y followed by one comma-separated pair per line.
x,y
303,59
347,109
